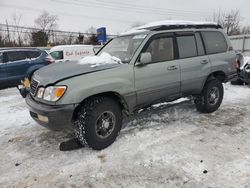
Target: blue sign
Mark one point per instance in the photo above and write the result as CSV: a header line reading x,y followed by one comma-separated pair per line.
x,y
101,35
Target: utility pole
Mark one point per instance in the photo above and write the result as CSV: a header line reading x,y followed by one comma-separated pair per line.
x,y
228,20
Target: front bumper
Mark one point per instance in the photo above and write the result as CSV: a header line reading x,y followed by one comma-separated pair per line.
x,y
244,76
53,117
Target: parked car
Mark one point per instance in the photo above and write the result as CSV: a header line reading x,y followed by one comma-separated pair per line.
x,y
71,52
156,62
19,63
243,70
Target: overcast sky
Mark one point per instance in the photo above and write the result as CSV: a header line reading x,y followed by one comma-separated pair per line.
x,y
117,15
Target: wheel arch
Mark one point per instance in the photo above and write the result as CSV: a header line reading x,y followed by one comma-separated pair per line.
x,y
219,75
111,94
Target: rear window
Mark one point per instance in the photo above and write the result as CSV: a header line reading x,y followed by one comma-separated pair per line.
x,y
1,57
215,42
16,56
33,54
187,46
57,55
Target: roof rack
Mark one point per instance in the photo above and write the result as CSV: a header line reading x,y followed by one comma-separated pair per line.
x,y
188,26
173,25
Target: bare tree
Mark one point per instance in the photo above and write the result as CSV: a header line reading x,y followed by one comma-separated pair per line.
x,y
1,40
91,36
245,30
16,20
91,30
46,22
230,21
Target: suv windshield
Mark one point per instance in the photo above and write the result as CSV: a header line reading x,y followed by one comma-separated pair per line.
x,y
57,55
123,47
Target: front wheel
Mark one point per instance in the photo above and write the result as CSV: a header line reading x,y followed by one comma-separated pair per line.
x,y
211,97
98,122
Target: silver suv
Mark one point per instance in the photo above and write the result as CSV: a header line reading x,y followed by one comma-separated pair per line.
x,y
149,64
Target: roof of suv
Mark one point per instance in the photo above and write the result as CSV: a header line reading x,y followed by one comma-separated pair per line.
x,y
18,49
172,25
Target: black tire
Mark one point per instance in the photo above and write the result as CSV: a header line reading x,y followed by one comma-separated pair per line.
x,y
237,82
93,116
211,97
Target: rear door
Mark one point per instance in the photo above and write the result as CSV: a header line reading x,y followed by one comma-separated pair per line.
x,y
222,57
194,64
16,66
3,75
160,78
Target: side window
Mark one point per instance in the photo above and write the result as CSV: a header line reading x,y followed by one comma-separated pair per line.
x,y
161,49
215,42
187,46
1,57
199,43
57,55
16,56
33,54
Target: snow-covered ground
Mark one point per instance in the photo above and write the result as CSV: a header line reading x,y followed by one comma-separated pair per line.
x,y
168,145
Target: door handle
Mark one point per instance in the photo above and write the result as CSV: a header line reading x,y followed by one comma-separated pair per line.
x,y
204,61
172,68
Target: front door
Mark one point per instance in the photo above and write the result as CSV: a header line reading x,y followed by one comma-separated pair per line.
x,y
16,66
161,77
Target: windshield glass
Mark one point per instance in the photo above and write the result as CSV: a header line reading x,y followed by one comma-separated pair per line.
x,y
123,47
57,55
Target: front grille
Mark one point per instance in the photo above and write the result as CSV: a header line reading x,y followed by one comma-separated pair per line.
x,y
33,86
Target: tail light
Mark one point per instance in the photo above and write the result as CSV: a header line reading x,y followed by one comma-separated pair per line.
x,y
49,59
237,64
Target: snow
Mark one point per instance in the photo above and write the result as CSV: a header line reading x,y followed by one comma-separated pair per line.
x,y
103,59
175,22
166,145
145,27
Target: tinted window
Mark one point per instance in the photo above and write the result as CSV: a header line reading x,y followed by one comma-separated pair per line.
x,y
33,54
161,49
199,43
187,47
214,41
57,55
1,57
16,56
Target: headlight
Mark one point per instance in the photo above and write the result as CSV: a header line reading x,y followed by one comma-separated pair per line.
x,y
54,93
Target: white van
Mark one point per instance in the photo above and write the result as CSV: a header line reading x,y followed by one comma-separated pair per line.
x,y
71,52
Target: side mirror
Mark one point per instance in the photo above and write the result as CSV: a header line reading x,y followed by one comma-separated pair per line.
x,y
145,58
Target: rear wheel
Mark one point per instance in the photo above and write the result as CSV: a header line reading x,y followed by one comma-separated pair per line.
x,y
211,97
98,122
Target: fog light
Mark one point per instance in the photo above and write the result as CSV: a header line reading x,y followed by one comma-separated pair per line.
x,y
43,118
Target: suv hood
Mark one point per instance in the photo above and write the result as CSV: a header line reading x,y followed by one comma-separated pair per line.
x,y
61,71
